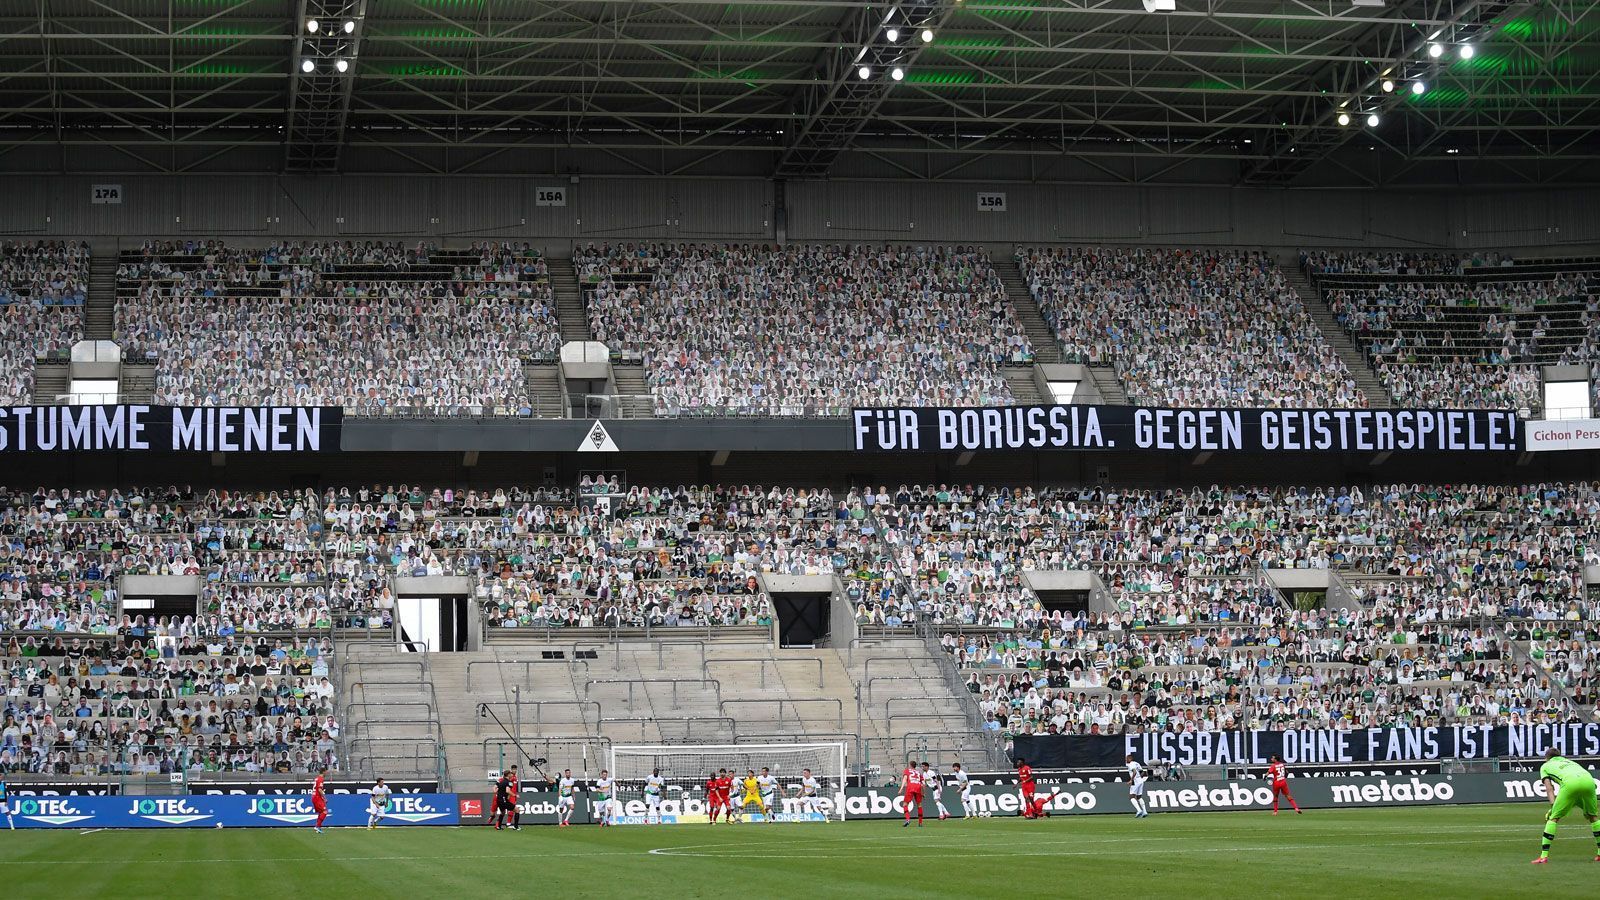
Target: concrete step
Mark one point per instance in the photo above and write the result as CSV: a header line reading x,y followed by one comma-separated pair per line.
x,y
571,311
1046,348
1338,338
547,392
1109,385
630,383
49,381
1023,388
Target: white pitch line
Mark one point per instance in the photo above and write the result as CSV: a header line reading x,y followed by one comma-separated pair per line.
x,y
90,831
944,851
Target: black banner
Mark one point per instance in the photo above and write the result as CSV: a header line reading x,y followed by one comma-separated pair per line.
x,y
1324,746
269,788
208,429
64,789
1195,430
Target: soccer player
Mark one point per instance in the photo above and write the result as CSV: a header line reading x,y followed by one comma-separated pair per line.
x,y
964,785
603,787
501,802
725,794
1039,806
566,797
714,795
319,798
5,805
733,790
911,785
809,793
934,786
513,787
1567,784
1136,788
769,793
1278,774
1025,784
752,793
377,804
653,786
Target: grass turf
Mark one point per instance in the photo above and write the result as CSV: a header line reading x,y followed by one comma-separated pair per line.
x,y
1427,852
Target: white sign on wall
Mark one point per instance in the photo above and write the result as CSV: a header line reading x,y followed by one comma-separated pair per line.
x,y
105,193
989,201
551,196
1563,434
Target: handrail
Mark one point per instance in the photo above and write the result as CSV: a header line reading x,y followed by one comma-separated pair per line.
x,y
793,702
850,651
689,725
344,669
538,710
392,704
525,664
705,666
866,670
647,682
436,730
869,682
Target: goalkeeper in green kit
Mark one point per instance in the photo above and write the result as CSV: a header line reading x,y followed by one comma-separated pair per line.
x,y
1567,784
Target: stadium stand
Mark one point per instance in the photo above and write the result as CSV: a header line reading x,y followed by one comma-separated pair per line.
x,y
1463,333
1188,327
42,290
444,332
805,330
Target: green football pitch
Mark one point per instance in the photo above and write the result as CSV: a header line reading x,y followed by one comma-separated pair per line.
x,y
1433,852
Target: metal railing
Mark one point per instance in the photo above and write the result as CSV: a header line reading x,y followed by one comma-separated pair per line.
x,y
716,687
527,666
793,704
764,661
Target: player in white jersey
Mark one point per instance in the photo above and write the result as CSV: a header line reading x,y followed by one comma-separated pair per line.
x,y
735,798
1136,776
769,793
958,777
377,804
933,788
810,793
566,797
653,786
603,788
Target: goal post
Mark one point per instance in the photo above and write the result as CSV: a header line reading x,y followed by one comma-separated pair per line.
x,y
685,767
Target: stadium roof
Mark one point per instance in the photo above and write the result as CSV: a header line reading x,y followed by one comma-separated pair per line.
x,y
1243,91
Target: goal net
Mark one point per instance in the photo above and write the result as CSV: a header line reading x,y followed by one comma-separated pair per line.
x,y
685,769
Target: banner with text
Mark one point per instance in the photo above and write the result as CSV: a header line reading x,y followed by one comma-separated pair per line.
x,y
1217,796
134,427
192,811
1196,430
1563,434
1319,746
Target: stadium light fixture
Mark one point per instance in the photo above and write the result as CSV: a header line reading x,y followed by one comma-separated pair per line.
x,y
1435,50
342,65
927,35
864,72
1344,119
313,26
1377,4
892,34
1160,6
1468,51
1372,120
1388,86
897,73
349,26
1418,87
307,66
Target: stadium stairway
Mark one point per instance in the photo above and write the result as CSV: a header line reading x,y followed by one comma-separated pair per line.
x,y
100,310
138,383
1046,349
629,382
1024,389
1356,361
50,379
390,711
547,392
1109,385
570,309
570,698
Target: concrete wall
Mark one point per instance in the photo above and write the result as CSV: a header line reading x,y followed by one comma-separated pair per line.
x,y
160,585
613,209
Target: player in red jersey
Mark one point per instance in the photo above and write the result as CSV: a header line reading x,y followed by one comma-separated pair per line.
x,y
319,798
1025,785
714,794
1278,774
911,783
1038,807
